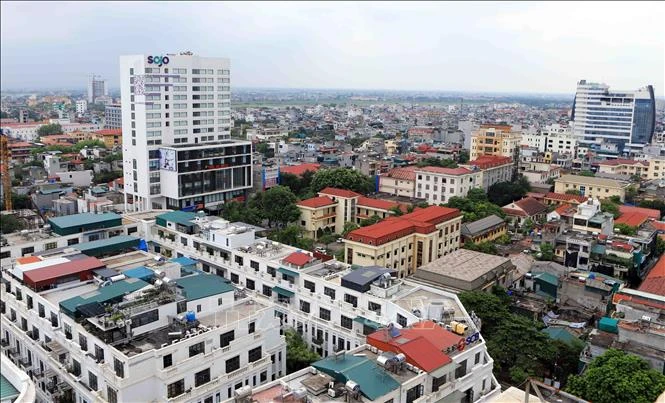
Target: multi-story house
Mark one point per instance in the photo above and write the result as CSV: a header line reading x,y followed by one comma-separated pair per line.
x,y
590,186
437,185
497,140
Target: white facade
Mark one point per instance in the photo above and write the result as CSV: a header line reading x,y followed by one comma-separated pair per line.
x,y
76,178
112,117
176,124
81,107
613,122
559,139
22,131
438,185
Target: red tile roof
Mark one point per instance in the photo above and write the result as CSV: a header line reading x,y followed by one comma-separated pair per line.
x,y
422,221
565,197
621,246
622,161
375,203
654,282
404,173
339,192
298,170
109,132
649,212
632,219
19,144
316,202
513,212
565,210
298,259
423,344
490,161
531,206
446,171
659,225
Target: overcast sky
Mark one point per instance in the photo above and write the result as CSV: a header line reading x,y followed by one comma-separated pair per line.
x,y
514,47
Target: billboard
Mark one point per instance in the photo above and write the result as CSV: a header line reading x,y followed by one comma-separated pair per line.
x,y
167,160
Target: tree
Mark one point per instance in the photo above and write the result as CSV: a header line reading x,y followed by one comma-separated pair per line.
x,y
88,143
587,173
299,185
106,176
654,204
292,235
342,178
21,201
298,354
475,206
503,193
488,307
348,227
484,247
660,246
573,192
397,211
625,229
237,212
463,157
437,162
9,224
546,251
617,376
52,128
609,206
370,221
281,206
631,192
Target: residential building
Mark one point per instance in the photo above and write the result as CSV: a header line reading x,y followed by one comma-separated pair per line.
x,y
399,182
559,139
437,185
176,126
424,134
494,169
16,384
625,167
587,289
484,230
332,208
96,88
112,116
81,107
541,176
406,242
300,169
22,131
111,137
589,186
589,219
467,270
497,140
528,208
612,123
552,198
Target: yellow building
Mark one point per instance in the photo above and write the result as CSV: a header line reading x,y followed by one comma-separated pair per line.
x,y
497,140
399,182
110,137
390,147
484,230
625,167
590,186
334,207
406,242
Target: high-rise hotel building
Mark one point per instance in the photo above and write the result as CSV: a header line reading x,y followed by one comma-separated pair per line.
x,y
613,123
176,120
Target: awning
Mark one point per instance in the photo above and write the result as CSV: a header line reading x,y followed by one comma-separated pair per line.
x,y
288,272
283,292
368,323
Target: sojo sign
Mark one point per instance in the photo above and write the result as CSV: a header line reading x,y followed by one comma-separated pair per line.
x,y
158,60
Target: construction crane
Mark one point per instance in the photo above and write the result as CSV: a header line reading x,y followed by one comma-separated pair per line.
x,y
6,180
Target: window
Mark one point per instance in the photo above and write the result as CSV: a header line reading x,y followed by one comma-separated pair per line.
x,y
267,291
83,342
324,314
232,364
374,307
254,265
234,278
438,382
401,320
264,376
202,377
226,338
50,245
112,394
477,359
167,360
351,300
346,322
460,371
118,367
329,292
177,388
99,353
195,349
272,271
92,380
310,285
414,393
304,306
145,318
250,284
251,328
254,354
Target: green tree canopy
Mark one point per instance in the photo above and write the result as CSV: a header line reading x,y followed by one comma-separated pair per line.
x,y
280,205
9,224
503,193
51,128
292,235
298,354
342,178
609,206
369,221
475,206
546,251
437,162
654,204
484,247
88,143
617,377
348,227
625,229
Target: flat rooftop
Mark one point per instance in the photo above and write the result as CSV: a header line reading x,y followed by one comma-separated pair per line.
x,y
421,298
464,264
63,292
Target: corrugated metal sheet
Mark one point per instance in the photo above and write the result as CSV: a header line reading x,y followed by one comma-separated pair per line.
x,y
51,273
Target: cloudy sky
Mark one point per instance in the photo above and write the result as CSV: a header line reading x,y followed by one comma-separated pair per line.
x,y
515,47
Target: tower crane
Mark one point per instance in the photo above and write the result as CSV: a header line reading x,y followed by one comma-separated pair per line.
x,y
6,180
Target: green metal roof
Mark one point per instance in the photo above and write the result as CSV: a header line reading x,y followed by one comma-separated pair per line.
x,y
178,217
203,285
78,220
106,243
368,323
288,272
598,249
561,334
546,278
283,292
7,390
103,294
374,381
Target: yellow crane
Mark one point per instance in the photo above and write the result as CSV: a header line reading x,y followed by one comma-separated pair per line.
x,y
6,180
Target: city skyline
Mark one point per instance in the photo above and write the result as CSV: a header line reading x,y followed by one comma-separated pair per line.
x,y
436,47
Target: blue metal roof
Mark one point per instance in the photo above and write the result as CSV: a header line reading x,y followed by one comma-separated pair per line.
x,y
374,382
184,261
203,285
141,272
77,220
365,275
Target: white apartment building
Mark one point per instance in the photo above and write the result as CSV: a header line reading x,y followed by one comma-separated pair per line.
x,y
81,107
437,185
176,127
613,123
113,117
96,88
559,139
